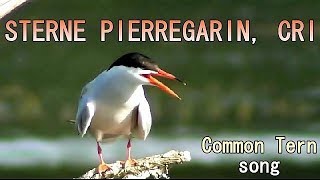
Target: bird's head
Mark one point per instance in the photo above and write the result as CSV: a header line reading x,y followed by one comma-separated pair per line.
x,y
144,70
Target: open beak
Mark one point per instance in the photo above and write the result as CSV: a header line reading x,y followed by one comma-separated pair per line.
x,y
160,85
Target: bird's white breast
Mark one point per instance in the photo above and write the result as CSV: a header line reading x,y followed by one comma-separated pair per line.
x,y
115,95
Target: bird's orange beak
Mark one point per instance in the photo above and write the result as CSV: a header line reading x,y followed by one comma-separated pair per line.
x,y
160,85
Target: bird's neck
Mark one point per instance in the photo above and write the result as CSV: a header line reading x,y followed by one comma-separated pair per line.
x,y
119,88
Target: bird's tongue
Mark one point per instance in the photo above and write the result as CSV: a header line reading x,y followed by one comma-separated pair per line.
x,y
160,85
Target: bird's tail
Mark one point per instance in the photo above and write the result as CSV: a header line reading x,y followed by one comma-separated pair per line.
x,y
71,121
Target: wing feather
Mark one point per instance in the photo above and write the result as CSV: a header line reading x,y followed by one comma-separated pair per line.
x,y
143,120
86,110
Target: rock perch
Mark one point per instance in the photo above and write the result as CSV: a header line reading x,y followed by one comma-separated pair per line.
x,y
153,167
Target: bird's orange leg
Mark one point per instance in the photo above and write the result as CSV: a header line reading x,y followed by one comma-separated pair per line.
x,y
129,161
103,167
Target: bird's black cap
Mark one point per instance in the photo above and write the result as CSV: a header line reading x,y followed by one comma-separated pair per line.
x,y
136,60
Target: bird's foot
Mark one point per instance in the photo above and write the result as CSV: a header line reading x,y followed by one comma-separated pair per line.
x,y
103,167
129,163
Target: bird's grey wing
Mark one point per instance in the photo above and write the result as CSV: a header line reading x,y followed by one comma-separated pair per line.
x,y
143,120
86,110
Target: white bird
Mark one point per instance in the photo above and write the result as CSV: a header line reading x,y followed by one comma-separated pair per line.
x,y
114,104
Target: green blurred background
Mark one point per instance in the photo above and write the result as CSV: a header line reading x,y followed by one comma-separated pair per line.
x,y
235,90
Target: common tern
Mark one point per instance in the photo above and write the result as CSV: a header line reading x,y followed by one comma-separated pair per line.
x,y
113,104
